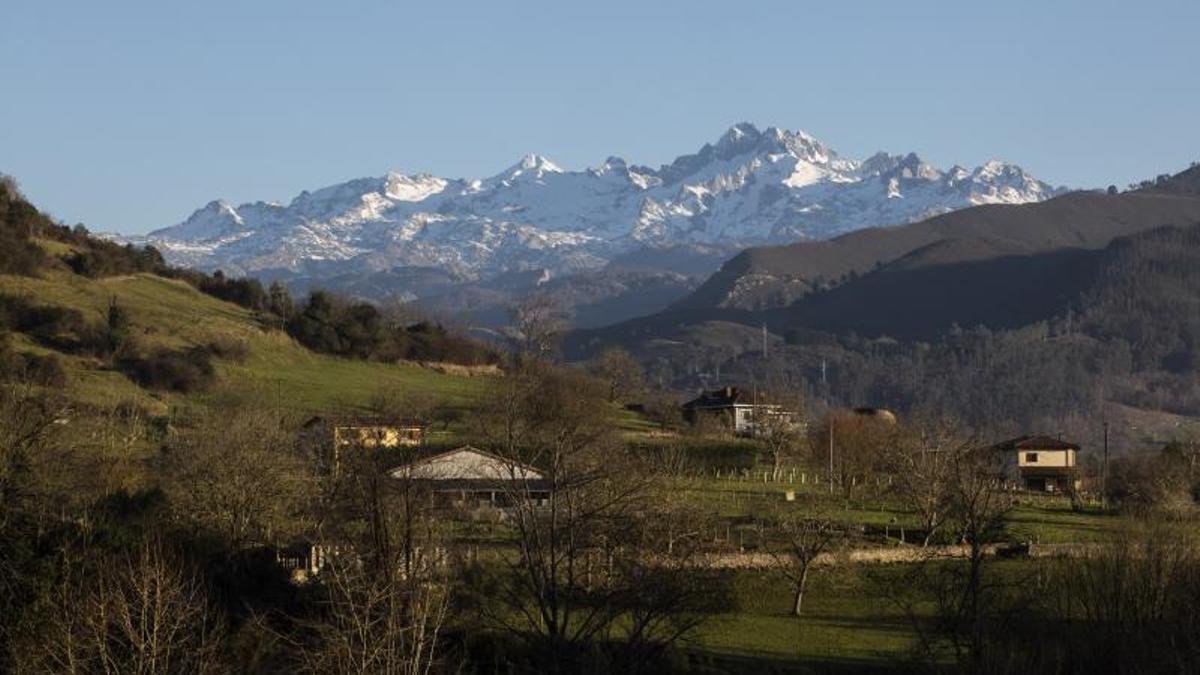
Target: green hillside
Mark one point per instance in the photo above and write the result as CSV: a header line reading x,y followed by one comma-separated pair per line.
x,y
172,314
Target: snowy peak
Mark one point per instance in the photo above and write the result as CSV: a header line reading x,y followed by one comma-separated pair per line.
x,y
748,187
416,188
214,220
530,167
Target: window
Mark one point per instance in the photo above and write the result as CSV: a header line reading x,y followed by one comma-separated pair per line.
x,y
1031,457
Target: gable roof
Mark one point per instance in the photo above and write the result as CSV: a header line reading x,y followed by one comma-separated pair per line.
x,y
467,463
1036,443
719,398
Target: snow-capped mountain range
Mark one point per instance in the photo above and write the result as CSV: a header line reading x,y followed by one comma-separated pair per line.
x,y
750,187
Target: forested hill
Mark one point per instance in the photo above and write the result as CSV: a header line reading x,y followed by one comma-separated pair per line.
x,y
1018,342
777,275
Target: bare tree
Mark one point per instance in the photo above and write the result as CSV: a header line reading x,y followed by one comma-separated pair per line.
x,y
117,437
538,323
795,544
979,506
780,431
27,423
145,612
621,373
962,593
376,621
1137,595
581,571
402,404
921,463
238,474
27,432
385,590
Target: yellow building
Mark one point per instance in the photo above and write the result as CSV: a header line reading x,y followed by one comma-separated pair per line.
x,y
1044,464
329,438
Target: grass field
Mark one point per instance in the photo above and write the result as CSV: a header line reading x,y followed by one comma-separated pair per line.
x,y
846,620
1038,519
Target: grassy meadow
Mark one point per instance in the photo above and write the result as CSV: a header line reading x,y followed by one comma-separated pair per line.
x,y
274,370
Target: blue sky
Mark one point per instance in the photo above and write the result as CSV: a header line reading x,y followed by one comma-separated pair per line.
x,y
128,115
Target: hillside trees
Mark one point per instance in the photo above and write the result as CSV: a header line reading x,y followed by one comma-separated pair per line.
x,y
18,222
360,330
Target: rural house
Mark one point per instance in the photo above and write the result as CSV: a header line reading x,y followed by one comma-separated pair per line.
x,y
326,438
468,476
1042,463
743,412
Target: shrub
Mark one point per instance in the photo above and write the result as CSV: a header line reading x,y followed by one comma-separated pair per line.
x,y
180,371
229,348
57,327
46,370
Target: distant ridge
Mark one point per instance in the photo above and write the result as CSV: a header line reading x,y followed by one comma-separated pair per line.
x,y
996,266
778,275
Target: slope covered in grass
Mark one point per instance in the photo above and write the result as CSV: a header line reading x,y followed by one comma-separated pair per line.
x,y
171,314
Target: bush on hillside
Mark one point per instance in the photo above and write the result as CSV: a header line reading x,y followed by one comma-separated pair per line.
x,y
106,259
44,370
179,371
359,330
59,328
19,220
229,349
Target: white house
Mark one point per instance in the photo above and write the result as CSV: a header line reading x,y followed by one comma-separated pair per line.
x,y
744,412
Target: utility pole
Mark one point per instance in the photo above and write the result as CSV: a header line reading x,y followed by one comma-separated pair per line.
x,y
1104,470
764,339
754,413
830,454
